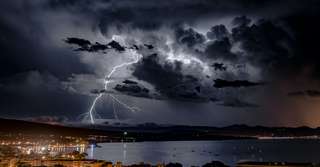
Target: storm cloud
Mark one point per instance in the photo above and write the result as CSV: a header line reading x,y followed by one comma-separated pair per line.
x,y
237,103
306,93
86,45
57,53
220,83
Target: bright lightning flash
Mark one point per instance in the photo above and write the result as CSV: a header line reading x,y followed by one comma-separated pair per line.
x,y
107,81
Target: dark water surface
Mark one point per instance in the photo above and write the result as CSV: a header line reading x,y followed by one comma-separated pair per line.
x,y
199,152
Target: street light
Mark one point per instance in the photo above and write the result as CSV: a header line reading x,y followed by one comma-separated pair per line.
x,y
124,135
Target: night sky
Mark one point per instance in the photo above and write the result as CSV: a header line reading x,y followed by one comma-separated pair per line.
x,y
205,62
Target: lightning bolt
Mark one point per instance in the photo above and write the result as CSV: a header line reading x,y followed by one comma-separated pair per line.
x,y
107,81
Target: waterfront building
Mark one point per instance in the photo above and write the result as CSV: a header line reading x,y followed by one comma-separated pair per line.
x,y
273,164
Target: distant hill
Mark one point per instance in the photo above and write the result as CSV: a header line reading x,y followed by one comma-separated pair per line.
x,y
30,128
154,132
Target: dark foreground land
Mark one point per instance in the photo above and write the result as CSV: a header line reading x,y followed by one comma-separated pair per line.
x,y
98,163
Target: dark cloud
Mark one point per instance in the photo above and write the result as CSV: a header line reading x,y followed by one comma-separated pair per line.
x,y
33,94
213,99
97,91
218,32
149,69
115,45
220,83
135,47
86,45
149,46
127,81
241,21
188,91
306,35
174,84
306,93
237,103
133,89
188,37
129,13
313,93
83,43
219,66
21,53
220,49
264,43
296,93
198,89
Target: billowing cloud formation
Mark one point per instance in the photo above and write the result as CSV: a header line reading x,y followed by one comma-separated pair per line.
x,y
184,59
188,37
218,32
266,44
184,46
172,83
220,49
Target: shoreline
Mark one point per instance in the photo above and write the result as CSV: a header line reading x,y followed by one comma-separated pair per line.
x,y
235,139
103,163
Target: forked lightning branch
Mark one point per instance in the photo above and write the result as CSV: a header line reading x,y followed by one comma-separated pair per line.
x,y
107,81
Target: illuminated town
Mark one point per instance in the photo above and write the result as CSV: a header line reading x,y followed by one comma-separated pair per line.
x,y
22,150
53,150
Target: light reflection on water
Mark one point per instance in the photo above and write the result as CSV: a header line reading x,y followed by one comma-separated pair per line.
x,y
52,149
199,152
91,150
